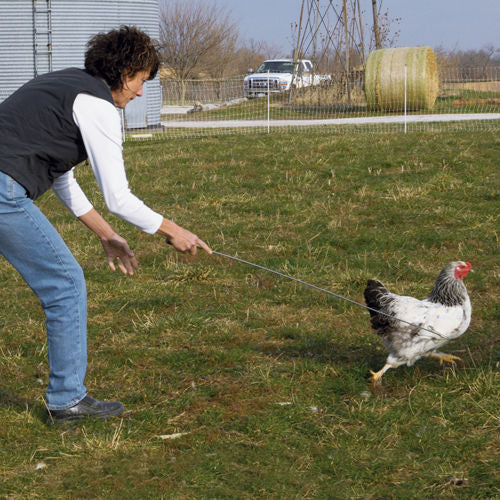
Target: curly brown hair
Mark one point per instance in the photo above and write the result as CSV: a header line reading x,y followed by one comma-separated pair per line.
x,y
119,53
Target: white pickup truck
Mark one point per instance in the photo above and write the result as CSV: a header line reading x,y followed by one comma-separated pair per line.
x,y
277,75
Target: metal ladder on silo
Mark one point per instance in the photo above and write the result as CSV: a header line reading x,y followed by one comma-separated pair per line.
x,y
42,36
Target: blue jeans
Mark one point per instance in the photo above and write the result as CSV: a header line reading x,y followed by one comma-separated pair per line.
x,y
32,245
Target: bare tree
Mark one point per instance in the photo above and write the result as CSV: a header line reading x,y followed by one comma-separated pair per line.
x,y
194,35
219,61
469,64
388,29
251,54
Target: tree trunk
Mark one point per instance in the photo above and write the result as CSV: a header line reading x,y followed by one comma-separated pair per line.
x,y
376,30
183,91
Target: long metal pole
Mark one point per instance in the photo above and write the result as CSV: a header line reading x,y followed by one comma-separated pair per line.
x,y
316,24
323,290
361,34
268,104
296,53
406,79
347,50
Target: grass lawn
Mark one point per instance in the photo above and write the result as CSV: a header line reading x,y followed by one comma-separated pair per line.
x,y
241,384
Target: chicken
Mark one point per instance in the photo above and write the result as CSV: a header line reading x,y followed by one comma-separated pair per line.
x,y
428,324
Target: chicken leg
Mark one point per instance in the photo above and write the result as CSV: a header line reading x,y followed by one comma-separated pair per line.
x,y
377,376
444,358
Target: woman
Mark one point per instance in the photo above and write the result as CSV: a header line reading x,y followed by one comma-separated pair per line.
x,y
47,127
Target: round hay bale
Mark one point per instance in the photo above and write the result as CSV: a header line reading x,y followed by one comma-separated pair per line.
x,y
385,73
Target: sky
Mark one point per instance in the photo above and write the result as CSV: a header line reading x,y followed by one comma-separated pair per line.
x,y
450,24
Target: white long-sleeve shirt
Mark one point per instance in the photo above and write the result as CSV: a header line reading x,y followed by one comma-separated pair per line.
x,y
100,126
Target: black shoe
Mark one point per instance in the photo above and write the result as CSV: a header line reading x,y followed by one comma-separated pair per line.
x,y
87,407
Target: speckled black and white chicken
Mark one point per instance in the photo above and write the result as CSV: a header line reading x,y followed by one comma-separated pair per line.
x,y
441,317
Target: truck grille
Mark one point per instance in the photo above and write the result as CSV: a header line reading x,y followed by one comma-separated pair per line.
x,y
261,83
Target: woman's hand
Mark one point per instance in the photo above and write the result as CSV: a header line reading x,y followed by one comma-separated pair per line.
x,y
116,248
182,239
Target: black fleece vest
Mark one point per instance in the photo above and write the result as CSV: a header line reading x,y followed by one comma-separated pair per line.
x,y
39,140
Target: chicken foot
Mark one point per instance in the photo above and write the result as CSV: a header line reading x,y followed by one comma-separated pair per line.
x,y
377,376
444,358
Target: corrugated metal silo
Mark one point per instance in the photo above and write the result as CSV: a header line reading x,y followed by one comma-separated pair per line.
x,y
16,45
37,36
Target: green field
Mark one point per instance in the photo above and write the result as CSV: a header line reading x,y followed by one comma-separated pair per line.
x,y
241,384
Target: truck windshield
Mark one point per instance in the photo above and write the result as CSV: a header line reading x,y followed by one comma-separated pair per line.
x,y
276,67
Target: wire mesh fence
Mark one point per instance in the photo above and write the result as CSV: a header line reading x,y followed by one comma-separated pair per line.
x,y
177,92
467,98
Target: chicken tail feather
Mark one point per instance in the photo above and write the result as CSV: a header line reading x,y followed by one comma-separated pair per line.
x,y
379,298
